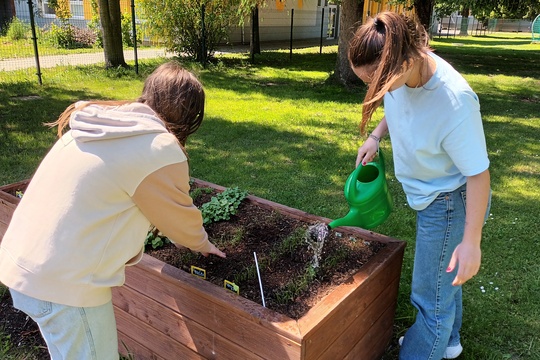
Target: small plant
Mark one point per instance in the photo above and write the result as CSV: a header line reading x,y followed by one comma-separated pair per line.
x,y
222,205
195,193
155,238
246,274
237,236
291,244
294,288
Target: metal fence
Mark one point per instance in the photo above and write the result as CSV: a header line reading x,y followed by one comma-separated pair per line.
x,y
453,26
30,42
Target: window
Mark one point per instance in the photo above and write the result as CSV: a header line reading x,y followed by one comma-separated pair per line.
x,y
75,6
77,9
46,10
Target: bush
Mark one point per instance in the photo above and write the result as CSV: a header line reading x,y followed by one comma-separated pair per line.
x,y
83,38
179,24
18,29
71,37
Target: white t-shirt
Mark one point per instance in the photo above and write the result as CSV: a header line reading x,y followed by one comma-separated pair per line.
x,y
437,135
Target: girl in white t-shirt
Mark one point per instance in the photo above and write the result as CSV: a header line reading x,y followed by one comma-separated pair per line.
x,y
440,158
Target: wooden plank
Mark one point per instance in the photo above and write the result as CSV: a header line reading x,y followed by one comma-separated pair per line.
x,y
8,203
131,349
363,325
198,338
328,320
373,345
19,185
229,315
162,345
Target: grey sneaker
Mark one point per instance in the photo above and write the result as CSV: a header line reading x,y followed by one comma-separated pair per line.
x,y
451,352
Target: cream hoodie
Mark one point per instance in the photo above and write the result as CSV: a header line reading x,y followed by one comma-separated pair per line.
x,y
87,210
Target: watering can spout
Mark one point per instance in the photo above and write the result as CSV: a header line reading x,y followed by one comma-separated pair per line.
x,y
367,193
348,220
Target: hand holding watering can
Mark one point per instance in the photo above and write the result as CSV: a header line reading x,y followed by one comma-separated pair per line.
x,y
367,193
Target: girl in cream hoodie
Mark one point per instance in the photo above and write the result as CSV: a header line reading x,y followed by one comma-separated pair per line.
x,y
85,214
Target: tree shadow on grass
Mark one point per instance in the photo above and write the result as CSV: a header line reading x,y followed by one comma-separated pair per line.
x,y
24,139
248,80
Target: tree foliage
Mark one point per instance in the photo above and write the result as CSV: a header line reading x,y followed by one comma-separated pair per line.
x,y
482,9
191,27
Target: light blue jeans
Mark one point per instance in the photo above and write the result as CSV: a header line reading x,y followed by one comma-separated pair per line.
x,y
439,230
73,333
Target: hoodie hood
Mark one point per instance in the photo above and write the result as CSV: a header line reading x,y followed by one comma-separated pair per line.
x,y
97,122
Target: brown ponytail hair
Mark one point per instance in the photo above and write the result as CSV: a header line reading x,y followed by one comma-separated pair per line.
x,y
385,42
171,91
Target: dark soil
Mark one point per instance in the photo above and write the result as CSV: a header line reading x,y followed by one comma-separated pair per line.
x,y
23,331
287,288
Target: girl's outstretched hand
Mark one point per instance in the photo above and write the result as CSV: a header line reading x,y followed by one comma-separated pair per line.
x,y
215,251
367,151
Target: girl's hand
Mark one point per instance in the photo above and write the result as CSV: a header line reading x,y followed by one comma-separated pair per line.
x,y
367,151
215,251
468,257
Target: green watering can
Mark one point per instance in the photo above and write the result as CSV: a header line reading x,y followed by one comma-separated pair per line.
x,y
367,193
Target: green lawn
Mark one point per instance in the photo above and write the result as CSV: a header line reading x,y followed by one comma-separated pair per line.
x,y
281,130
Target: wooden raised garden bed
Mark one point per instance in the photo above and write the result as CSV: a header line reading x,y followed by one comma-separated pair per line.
x,y
163,312
8,203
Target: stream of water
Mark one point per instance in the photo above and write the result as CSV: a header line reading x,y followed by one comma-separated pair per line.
x,y
315,237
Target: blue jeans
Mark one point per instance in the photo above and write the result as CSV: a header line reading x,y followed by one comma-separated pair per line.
x,y
440,229
73,333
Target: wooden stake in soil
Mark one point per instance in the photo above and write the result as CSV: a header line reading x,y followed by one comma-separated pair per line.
x,y
259,276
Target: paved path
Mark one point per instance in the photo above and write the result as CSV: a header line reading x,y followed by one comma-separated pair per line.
x,y
48,61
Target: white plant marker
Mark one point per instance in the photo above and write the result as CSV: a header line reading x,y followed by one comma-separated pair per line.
x,y
259,276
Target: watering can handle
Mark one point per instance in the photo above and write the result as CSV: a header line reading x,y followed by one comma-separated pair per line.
x,y
350,185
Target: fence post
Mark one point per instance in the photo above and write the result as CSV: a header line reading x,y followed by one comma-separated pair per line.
x,y
133,24
34,40
322,26
292,21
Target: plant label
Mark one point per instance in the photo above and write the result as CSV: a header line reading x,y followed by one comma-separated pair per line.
x,y
231,287
197,271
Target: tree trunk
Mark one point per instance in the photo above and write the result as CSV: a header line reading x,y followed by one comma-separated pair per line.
x,y
463,29
349,20
424,10
7,12
254,40
111,27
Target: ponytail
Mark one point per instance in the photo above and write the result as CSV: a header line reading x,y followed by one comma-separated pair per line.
x,y
387,42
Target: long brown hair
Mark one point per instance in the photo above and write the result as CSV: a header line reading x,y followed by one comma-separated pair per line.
x,y
175,95
386,42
